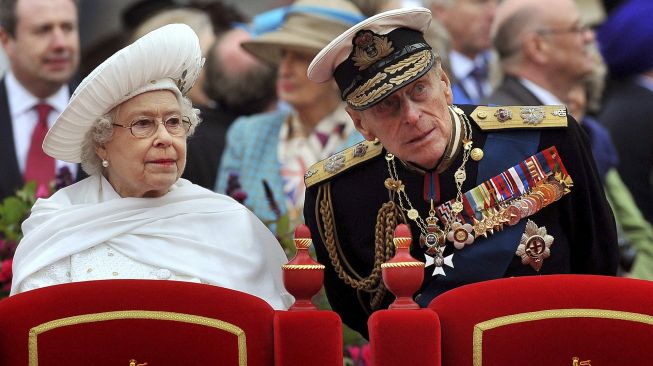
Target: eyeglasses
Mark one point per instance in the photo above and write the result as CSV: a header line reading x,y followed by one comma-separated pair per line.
x,y
576,28
145,127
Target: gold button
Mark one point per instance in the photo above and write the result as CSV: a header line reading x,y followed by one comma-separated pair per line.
x,y
482,114
476,154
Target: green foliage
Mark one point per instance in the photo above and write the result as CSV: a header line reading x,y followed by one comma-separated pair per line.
x,y
14,210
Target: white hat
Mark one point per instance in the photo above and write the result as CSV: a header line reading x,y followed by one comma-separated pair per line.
x,y
168,58
377,56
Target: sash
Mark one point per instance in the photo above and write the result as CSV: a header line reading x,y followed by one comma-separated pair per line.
x,y
487,258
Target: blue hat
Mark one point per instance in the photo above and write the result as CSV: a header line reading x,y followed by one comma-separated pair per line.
x,y
626,39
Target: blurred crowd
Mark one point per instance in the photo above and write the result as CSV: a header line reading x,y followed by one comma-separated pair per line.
x,y
264,122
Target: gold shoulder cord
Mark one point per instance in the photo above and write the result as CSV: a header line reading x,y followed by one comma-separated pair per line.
x,y
388,217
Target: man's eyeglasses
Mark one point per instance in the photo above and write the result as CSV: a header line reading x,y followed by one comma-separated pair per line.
x,y
576,28
145,127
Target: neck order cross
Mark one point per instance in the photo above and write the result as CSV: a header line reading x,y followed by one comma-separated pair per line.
x,y
432,233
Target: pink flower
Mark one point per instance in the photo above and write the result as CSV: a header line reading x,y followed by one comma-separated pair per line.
x,y
42,191
361,355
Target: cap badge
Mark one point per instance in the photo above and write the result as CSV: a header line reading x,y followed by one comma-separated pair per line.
x,y
369,48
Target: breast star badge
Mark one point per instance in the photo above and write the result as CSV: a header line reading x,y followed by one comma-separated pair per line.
x,y
534,245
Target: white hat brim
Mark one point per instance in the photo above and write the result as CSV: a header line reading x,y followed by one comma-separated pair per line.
x,y
322,67
172,51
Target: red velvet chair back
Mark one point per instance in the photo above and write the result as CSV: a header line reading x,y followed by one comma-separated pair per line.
x,y
132,322
547,320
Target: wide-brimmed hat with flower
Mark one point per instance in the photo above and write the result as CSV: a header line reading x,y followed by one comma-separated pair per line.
x,y
306,26
168,58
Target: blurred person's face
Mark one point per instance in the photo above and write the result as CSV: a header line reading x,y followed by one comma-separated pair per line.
x,y
236,80
469,23
144,167
44,53
293,84
412,123
566,44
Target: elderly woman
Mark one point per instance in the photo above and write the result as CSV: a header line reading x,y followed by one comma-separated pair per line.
x,y
133,217
277,147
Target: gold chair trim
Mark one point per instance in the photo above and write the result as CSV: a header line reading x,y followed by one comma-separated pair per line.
x,y
302,266
548,314
136,314
402,264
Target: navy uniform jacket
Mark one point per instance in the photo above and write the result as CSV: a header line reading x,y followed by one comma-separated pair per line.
x,y
581,222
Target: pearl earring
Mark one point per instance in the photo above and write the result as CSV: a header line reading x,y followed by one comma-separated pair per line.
x,y
105,163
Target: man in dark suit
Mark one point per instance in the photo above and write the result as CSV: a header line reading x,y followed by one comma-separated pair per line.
x,y
487,192
41,40
239,85
544,50
468,23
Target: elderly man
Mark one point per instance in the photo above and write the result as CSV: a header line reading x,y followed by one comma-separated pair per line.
x,y
544,50
41,40
487,192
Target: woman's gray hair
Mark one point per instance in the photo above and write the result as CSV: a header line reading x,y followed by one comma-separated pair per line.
x,y
101,133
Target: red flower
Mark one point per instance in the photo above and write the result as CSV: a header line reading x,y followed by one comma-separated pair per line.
x,y
5,271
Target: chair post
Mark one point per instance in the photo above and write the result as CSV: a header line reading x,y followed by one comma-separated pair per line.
x,y
404,334
302,275
305,335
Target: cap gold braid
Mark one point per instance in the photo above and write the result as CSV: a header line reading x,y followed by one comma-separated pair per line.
x,y
365,93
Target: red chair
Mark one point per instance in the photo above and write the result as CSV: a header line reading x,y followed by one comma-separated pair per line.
x,y
160,323
155,323
547,320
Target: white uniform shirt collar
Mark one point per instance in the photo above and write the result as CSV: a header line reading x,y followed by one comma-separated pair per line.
x,y
542,94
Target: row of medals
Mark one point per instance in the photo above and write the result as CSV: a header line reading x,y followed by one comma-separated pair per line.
x,y
493,219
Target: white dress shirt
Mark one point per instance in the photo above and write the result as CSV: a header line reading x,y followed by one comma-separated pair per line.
x,y
24,118
540,93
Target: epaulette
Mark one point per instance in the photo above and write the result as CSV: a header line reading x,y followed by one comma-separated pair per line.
x,y
339,162
515,117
